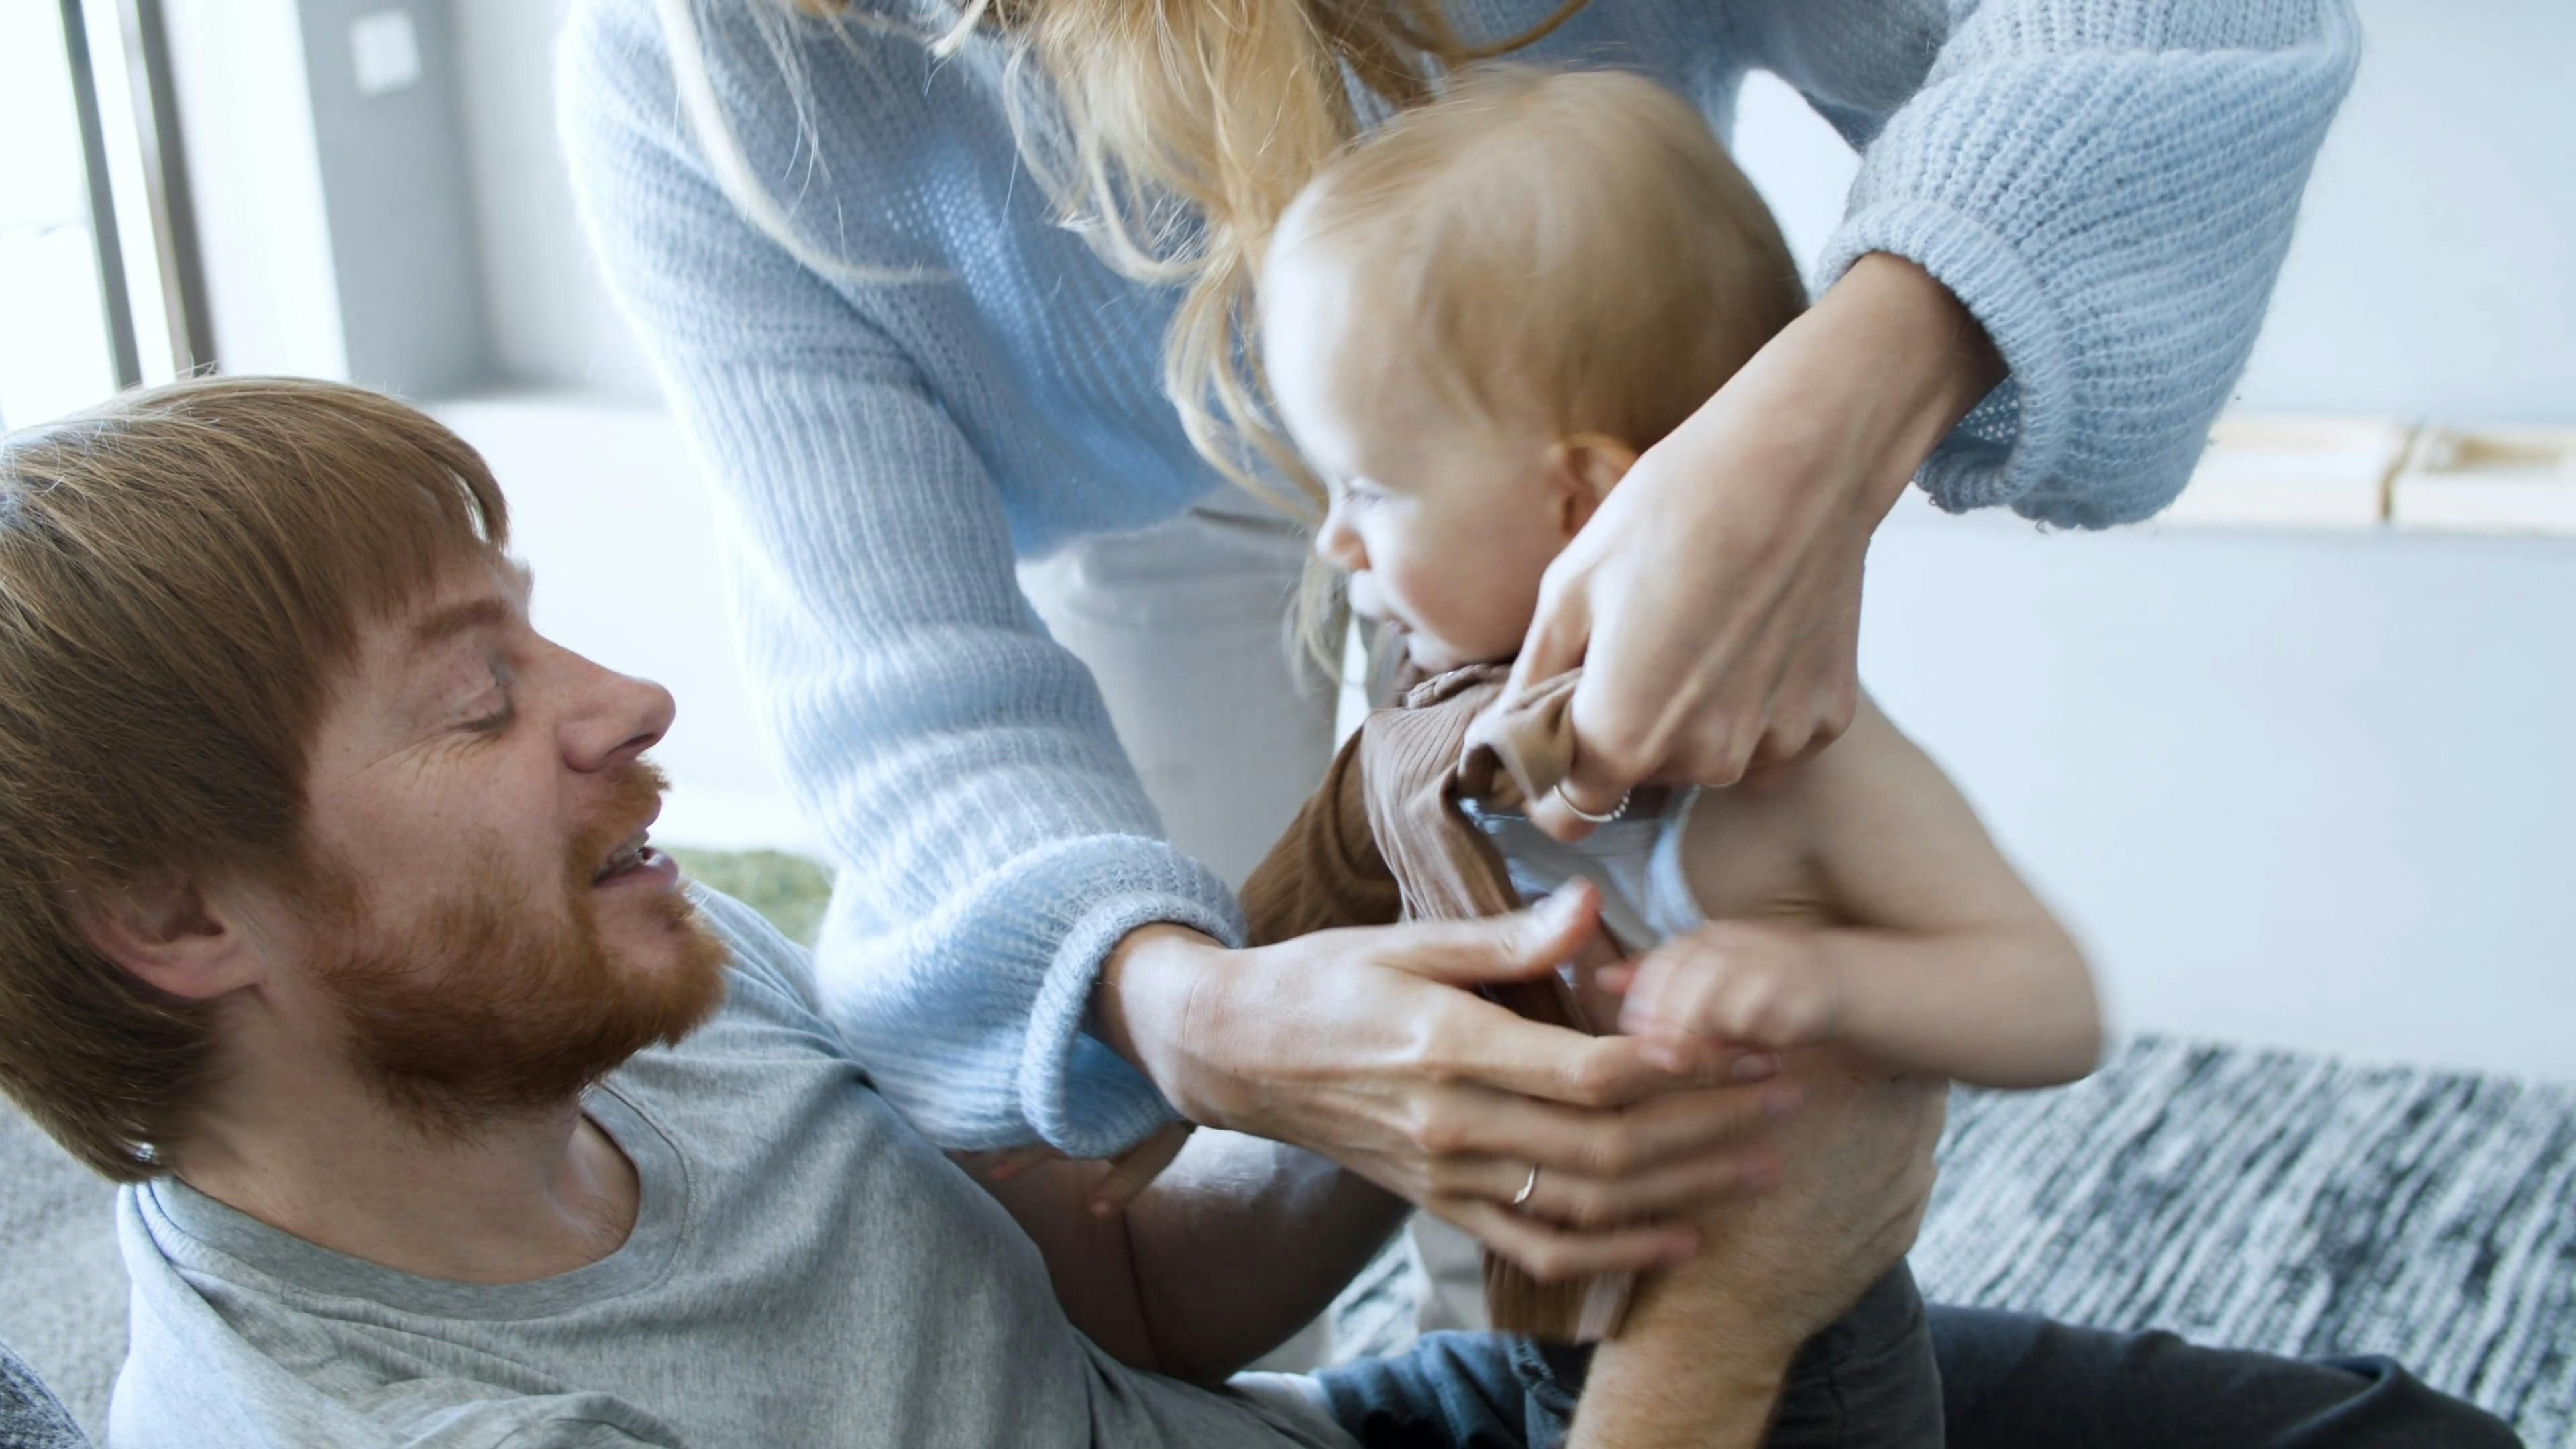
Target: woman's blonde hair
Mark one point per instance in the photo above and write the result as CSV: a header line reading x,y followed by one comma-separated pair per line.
x,y
1172,134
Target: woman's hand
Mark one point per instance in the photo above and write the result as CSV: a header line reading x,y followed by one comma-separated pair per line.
x,y
1362,1045
1714,600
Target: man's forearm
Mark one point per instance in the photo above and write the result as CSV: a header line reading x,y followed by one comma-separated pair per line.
x,y
1689,1368
1241,1242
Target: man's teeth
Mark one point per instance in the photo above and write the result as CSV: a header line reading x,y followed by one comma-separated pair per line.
x,y
626,857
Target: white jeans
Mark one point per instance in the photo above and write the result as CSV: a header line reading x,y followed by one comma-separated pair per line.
x,y
1184,626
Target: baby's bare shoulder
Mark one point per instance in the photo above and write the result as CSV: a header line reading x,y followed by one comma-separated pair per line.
x,y
1759,848
1746,853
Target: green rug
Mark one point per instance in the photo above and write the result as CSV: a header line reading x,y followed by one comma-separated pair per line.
x,y
789,889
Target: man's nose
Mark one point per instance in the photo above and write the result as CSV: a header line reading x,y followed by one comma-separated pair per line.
x,y
623,718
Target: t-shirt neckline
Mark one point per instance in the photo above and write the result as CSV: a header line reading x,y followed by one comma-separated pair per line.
x,y
195,1231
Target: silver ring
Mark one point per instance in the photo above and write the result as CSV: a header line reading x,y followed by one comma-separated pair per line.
x,y
1527,1188
1585,815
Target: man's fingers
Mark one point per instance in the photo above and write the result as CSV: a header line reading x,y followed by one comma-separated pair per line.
x,y
1552,1254
1135,1170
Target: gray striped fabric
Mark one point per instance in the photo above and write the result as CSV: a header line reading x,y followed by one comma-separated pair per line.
x,y
2263,1199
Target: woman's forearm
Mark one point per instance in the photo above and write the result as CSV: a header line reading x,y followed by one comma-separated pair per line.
x,y
1903,360
2108,187
1866,383
958,761
1156,985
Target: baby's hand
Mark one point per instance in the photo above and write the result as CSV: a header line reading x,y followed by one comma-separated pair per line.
x,y
1735,981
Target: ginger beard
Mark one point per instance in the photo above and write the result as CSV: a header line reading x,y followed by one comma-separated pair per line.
x,y
503,998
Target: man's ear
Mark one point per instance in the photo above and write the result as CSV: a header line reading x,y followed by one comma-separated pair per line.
x,y
171,934
1584,468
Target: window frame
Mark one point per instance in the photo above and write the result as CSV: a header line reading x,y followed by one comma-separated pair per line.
x,y
168,215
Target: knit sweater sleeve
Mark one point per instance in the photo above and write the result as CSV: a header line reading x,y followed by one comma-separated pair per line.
x,y
994,841
2108,185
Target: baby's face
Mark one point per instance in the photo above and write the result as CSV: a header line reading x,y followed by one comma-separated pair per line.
x,y
1444,522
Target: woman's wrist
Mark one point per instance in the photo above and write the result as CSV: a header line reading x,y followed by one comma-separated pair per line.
x,y
1911,358
1154,989
1838,412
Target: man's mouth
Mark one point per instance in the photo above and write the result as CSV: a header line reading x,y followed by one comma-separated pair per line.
x,y
633,853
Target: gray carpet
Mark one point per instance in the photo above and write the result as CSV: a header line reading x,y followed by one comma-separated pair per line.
x,y
2284,1202
2268,1199
62,1291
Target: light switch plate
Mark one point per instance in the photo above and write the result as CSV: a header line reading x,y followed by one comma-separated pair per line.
x,y
386,50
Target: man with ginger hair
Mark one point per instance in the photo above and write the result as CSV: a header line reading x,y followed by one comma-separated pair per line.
x,y
448,1115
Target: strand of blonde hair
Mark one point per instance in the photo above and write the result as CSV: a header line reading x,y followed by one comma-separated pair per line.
x,y
1172,135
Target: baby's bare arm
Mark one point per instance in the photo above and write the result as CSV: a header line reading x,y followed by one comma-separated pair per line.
x,y
1938,958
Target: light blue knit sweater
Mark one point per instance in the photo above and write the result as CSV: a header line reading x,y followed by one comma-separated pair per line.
x,y
2107,184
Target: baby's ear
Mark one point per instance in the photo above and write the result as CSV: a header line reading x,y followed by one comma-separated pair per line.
x,y
1585,467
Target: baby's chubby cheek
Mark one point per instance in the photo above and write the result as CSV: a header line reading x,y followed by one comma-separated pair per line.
x,y
1481,620
1366,599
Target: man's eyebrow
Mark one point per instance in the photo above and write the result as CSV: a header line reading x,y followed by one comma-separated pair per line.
x,y
459,618
483,613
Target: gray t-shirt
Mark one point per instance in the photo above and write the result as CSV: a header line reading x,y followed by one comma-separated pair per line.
x,y
804,1270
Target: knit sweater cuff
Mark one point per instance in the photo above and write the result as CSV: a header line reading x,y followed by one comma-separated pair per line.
x,y
1083,1098
2010,442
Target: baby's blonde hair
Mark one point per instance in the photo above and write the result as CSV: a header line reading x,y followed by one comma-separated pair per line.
x,y
1576,243
1570,248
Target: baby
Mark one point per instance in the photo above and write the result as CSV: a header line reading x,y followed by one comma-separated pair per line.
x,y
1471,325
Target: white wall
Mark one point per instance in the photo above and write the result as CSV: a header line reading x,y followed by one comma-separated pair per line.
x,y
2431,274
400,209
255,176
2314,790
336,228
550,319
